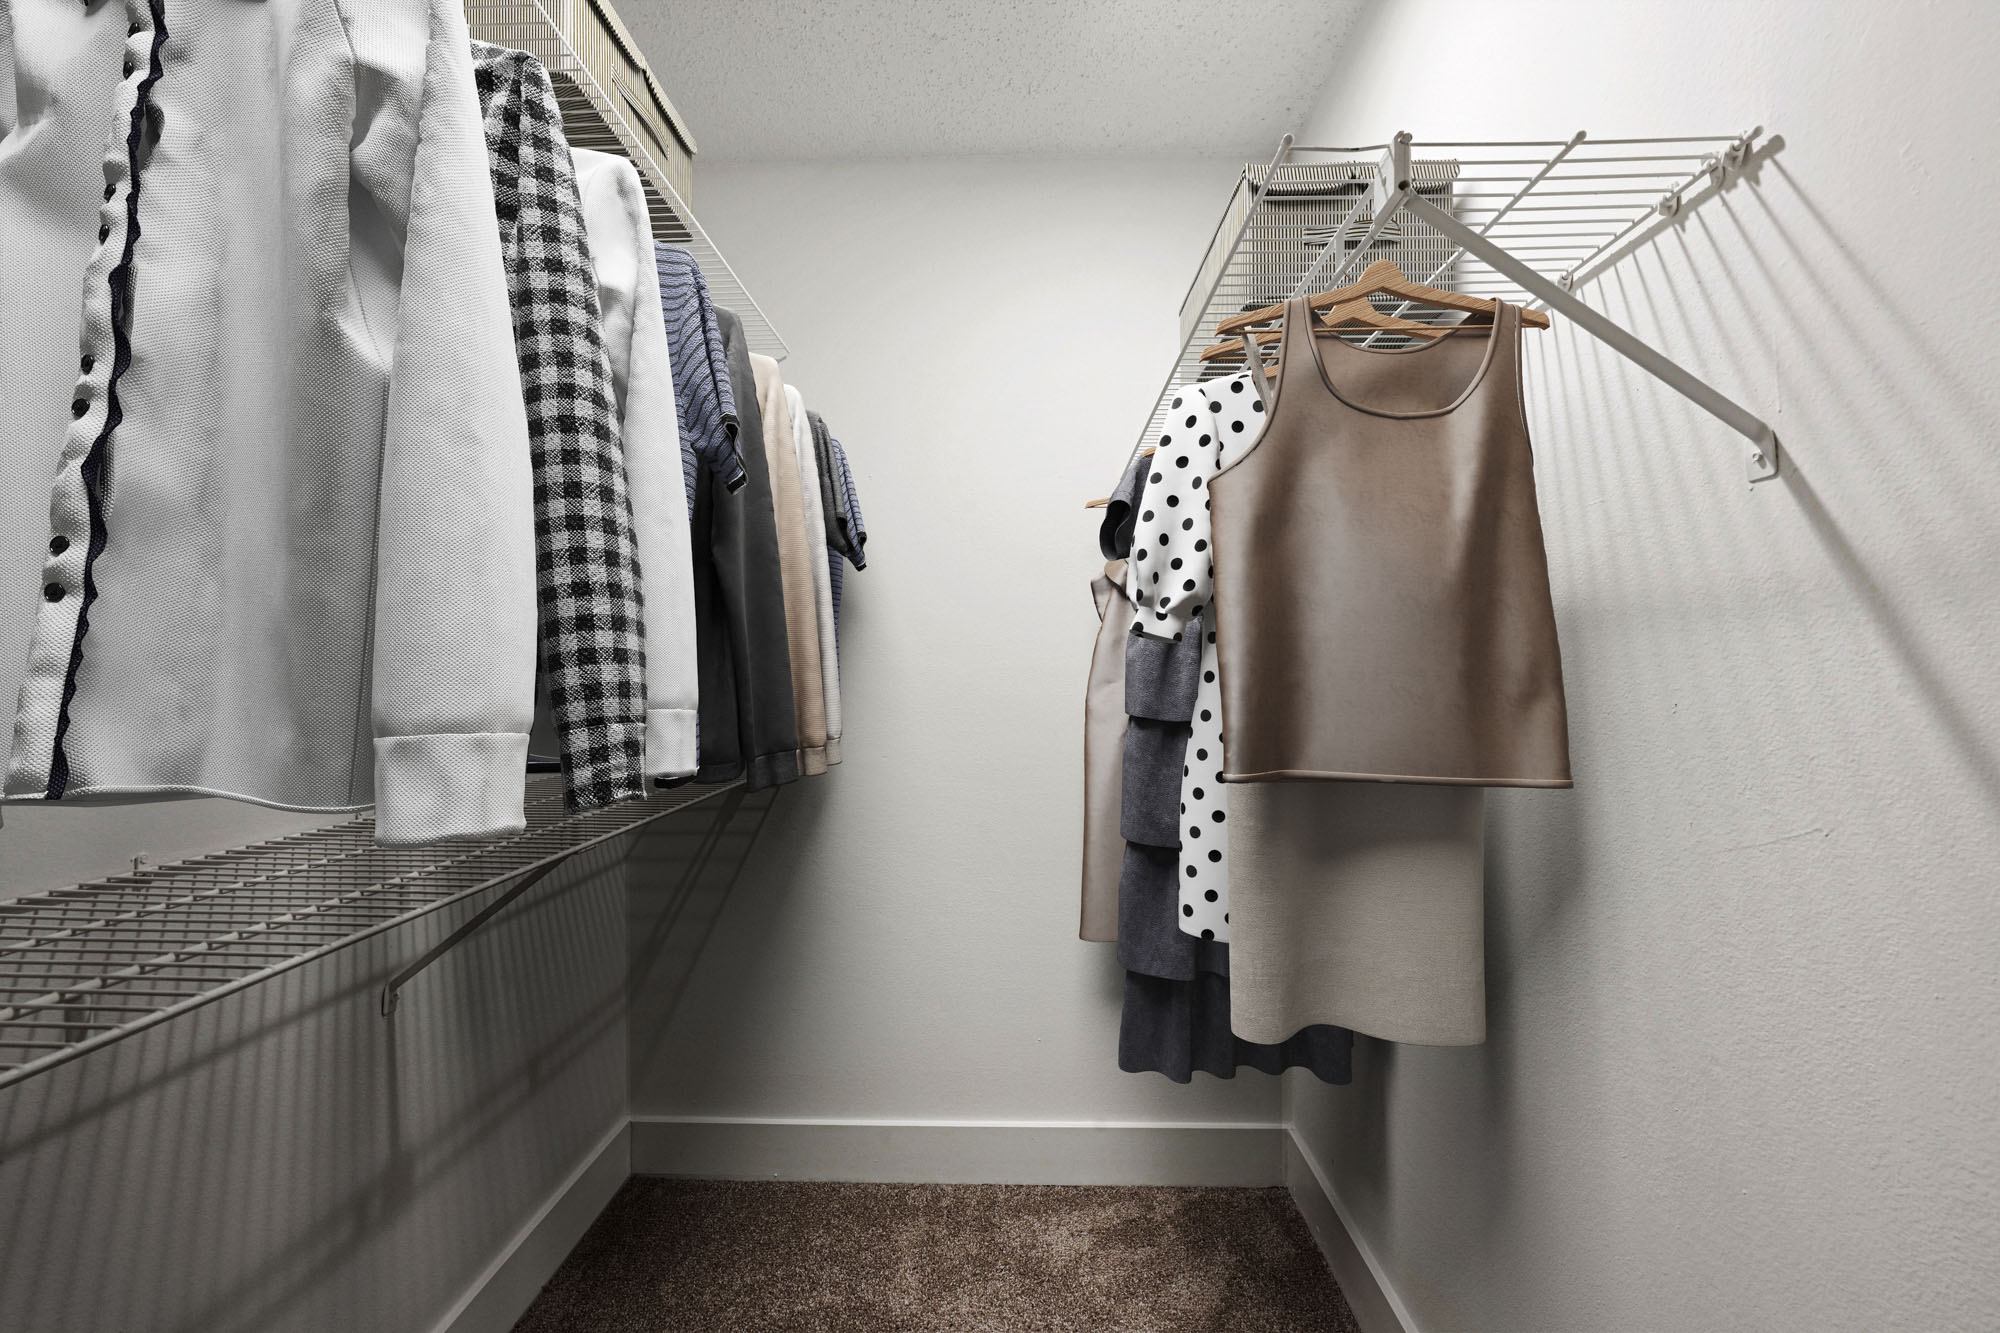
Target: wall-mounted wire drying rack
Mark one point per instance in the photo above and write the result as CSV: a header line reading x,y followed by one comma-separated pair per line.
x,y
1527,221
86,966
583,46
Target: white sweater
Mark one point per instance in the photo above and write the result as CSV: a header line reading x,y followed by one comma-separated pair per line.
x,y
305,554
635,334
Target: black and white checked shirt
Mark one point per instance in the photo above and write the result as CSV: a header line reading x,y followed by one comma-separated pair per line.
x,y
592,644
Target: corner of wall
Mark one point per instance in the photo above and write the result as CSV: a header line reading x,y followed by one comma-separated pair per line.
x,y
501,1294
1377,1306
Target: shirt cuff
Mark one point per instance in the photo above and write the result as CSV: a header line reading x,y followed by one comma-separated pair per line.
x,y
458,785
729,461
671,751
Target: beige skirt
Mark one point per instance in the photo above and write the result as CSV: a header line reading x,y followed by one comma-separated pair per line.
x,y
1359,904
1103,757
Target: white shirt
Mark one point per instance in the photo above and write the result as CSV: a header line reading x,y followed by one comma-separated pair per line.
x,y
642,376
308,547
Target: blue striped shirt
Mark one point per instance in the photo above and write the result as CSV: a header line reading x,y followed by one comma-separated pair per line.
x,y
857,531
702,398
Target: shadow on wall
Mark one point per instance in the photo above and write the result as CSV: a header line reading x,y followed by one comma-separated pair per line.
x,y
1480,1123
681,876
286,1157
1731,659
1949,428
1818,312
1816,337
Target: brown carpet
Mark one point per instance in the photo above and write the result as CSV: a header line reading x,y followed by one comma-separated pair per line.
x,y
682,1256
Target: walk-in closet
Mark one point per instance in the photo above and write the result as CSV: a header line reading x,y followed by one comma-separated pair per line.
x,y
1043,666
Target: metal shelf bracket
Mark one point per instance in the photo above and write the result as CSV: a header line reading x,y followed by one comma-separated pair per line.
x,y
1762,459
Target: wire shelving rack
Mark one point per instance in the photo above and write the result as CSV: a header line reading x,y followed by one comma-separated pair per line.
x,y
1545,218
85,966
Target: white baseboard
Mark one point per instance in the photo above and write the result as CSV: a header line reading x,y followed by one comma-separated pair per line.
x,y
502,1294
1373,1298
960,1151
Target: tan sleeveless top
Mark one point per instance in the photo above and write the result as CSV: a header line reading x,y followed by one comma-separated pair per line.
x,y
1381,594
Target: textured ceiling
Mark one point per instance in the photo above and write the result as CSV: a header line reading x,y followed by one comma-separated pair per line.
x,y
762,80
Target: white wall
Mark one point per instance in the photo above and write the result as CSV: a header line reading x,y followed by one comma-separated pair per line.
x,y
1745,1047
985,336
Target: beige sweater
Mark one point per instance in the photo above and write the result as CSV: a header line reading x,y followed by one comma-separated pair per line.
x,y
795,566
809,493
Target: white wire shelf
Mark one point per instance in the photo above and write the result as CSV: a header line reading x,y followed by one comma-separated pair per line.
x,y
1563,209
85,966
594,117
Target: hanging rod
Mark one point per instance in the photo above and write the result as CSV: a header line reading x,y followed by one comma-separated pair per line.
x,y
1499,216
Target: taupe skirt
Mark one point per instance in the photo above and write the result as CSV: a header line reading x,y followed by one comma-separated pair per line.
x,y
1358,904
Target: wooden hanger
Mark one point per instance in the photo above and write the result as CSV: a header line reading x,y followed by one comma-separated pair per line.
x,y
1384,278
1147,452
1358,313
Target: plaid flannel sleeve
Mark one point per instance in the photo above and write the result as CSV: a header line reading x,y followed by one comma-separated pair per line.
x,y
591,621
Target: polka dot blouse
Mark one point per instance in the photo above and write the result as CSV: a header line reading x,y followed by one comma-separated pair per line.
x,y
1170,579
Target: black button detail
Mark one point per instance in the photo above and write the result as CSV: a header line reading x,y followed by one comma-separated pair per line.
x,y
109,190
58,544
104,232
130,65
89,363
55,592
78,407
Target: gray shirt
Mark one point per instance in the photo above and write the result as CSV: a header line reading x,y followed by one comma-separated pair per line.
x,y
749,724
